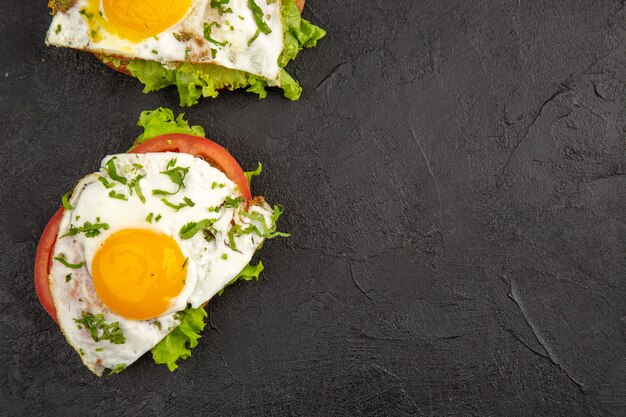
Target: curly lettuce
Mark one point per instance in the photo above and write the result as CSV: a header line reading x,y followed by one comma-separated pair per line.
x,y
194,81
248,273
179,342
161,121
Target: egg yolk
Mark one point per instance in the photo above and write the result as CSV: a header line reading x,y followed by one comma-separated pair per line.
x,y
137,20
137,272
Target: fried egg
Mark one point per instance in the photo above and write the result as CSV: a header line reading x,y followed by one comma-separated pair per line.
x,y
244,35
141,240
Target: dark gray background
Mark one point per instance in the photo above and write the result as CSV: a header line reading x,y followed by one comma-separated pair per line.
x,y
454,182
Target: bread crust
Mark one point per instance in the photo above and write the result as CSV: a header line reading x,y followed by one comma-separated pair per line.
x,y
123,68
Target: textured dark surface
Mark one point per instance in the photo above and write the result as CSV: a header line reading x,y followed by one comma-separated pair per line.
x,y
455,186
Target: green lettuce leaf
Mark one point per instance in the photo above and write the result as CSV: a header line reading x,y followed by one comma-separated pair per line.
x,y
248,273
178,344
205,80
298,32
162,121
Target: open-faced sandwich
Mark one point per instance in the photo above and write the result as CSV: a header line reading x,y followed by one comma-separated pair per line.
x,y
200,46
139,247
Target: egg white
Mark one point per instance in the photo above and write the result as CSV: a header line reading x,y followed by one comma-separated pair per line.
x,y
72,29
207,270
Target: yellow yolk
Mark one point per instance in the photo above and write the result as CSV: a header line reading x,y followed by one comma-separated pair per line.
x,y
134,20
137,272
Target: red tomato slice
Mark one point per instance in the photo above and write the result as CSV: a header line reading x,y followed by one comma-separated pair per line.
x,y
43,260
206,149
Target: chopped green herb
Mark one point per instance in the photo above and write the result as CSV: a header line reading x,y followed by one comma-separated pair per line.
x,y
154,51
224,256
256,172
185,263
89,229
230,202
207,35
253,38
106,183
187,202
257,12
95,322
99,349
157,218
61,258
231,238
84,13
157,324
134,186
118,196
270,231
177,176
58,29
176,36
112,171
66,202
190,229
149,218
68,277
220,6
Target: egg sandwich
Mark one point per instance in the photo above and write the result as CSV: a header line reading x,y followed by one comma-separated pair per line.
x,y
199,46
139,247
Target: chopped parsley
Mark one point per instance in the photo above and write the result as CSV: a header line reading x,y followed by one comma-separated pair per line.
x,y
68,277
256,172
231,238
118,196
207,34
177,176
190,229
134,186
220,5
157,218
58,29
61,258
187,202
66,202
230,202
112,171
106,183
257,12
95,323
253,38
89,229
